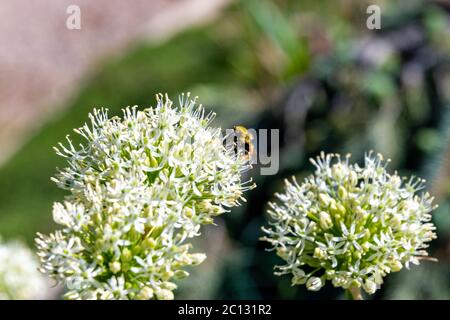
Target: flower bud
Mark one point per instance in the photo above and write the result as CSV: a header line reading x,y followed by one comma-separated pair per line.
x,y
353,178
282,252
339,281
324,199
197,258
314,284
99,259
146,293
188,212
338,172
395,265
299,276
355,283
149,243
217,210
325,220
396,220
369,286
205,206
126,255
164,294
114,266
180,274
357,255
360,213
342,192
319,253
340,209
330,274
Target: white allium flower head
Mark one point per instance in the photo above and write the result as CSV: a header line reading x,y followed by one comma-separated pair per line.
x,y
19,275
140,186
350,225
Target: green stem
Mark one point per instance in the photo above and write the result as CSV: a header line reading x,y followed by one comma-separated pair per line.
x,y
353,294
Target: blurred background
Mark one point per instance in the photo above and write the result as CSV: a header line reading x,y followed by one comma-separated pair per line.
x,y
310,68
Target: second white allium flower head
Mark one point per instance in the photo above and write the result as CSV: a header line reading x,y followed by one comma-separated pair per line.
x,y
140,187
350,225
19,277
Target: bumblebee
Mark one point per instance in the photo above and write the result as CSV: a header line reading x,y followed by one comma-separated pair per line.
x,y
243,137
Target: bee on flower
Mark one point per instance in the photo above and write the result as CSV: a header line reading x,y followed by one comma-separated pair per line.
x,y
243,139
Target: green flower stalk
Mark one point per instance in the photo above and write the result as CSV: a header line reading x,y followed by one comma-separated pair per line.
x,y
349,225
140,187
19,277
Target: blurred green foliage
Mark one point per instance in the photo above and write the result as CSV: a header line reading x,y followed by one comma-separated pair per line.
x,y
309,68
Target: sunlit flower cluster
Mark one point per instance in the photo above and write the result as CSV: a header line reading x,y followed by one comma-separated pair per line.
x,y
140,187
350,225
19,277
